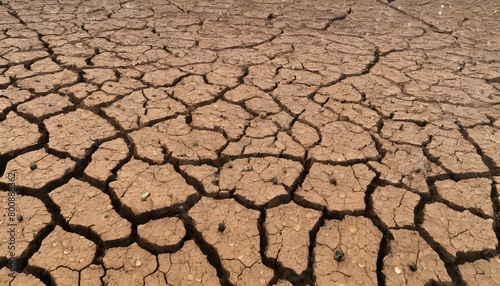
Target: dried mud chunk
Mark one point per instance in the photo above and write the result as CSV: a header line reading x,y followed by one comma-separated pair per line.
x,y
163,77
455,153
35,217
358,240
340,92
206,175
458,231
184,57
488,139
226,75
36,169
48,82
305,134
261,128
15,95
404,132
20,279
77,131
260,181
193,91
229,118
163,233
261,76
45,106
238,245
165,187
406,246
316,115
188,266
141,107
355,113
244,92
82,204
125,85
470,194
336,188
106,158
481,272
65,276
406,164
242,57
79,90
91,275
343,141
128,265
64,249
267,146
17,133
394,206
99,76
288,227
179,140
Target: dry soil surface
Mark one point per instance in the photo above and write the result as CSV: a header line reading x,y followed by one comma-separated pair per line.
x,y
264,142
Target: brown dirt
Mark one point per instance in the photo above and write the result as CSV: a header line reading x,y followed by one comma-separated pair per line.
x,y
250,142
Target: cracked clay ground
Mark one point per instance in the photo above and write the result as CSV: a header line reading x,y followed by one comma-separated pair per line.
x,y
258,142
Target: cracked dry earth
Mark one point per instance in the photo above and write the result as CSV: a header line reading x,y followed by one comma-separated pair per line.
x,y
250,142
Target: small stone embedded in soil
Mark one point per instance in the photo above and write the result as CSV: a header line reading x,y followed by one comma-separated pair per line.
x,y
33,166
222,227
145,196
358,240
339,255
288,246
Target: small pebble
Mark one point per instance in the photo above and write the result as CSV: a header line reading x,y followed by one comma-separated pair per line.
x,y
33,166
275,180
145,196
339,255
333,181
222,227
20,218
413,267
397,270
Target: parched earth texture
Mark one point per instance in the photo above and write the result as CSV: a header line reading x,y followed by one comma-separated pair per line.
x,y
264,142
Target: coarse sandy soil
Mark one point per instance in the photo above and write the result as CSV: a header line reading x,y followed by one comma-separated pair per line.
x,y
264,142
